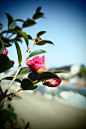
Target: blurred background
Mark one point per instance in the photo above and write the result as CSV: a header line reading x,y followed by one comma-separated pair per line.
x,y
65,23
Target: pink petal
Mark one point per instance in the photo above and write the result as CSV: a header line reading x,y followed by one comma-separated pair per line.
x,y
5,52
43,58
29,62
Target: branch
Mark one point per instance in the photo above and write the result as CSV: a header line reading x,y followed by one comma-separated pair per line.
x,y
18,70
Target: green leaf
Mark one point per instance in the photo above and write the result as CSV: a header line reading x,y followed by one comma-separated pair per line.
x,y
36,53
10,108
7,40
41,33
10,31
18,52
29,23
5,63
24,70
38,9
59,71
20,20
11,115
27,84
19,40
10,78
29,37
46,76
14,30
1,26
37,15
44,41
25,36
18,36
17,28
27,126
7,44
1,46
12,24
10,18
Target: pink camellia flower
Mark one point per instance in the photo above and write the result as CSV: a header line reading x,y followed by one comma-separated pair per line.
x,y
5,52
37,65
52,82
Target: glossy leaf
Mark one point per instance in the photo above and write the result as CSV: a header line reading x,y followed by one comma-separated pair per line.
x,y
38,9
14,30
17,28
10,78
29,37
17,39
7,40
1,46
1,26
12,24
44,41
29,23
7,31
27,126
38,15
59,71
18,52
5,63
10,18
24,70
7,44
27,84
10,31
20,20
25,36
18,36
46,76
41,33
11,115
36,53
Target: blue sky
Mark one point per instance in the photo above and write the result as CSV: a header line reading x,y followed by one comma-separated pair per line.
x,y
65,23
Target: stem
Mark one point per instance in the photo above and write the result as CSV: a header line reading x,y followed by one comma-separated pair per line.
x,y
13,92
18,70
9,95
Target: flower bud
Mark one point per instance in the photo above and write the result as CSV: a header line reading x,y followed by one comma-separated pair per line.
x,y
37,39
52,82
16,94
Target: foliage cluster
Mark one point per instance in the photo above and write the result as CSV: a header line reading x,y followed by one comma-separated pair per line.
x,y
14,35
